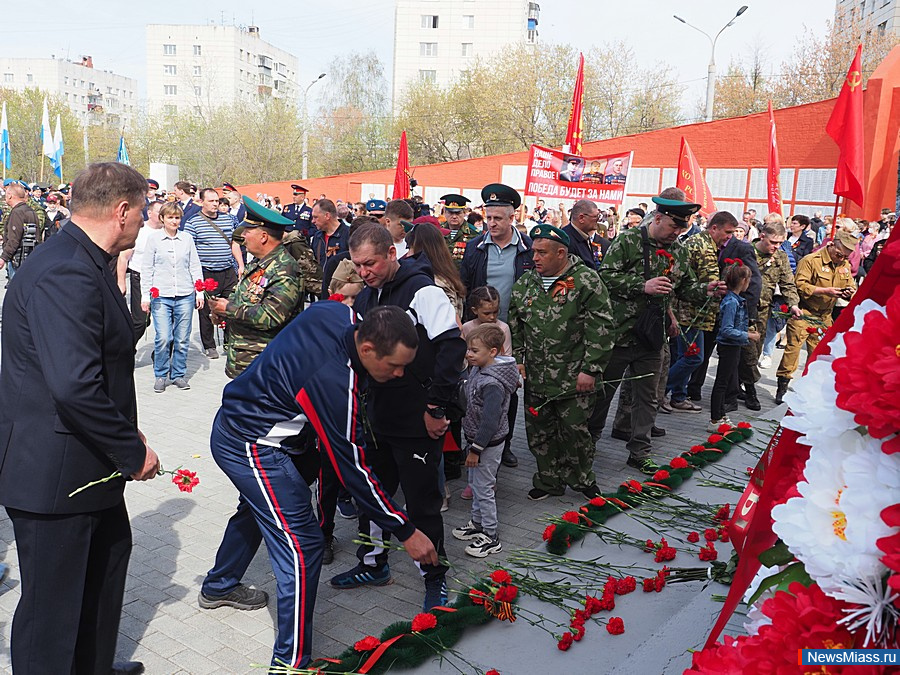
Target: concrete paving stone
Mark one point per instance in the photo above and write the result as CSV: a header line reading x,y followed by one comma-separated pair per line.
x,y
195,664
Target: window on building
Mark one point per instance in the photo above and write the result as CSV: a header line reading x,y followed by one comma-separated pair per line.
x,y
8,77
428,49
196,71
467,49
170,89
170,69
196,91
170,109
429,21
427,75
168,50
29,78
468,21
66,81
198,50
882,28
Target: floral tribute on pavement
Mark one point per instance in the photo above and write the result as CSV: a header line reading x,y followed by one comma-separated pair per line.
x,y
833,580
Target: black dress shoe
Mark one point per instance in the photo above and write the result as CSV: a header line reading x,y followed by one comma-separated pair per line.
x,y
620,435
127,668
657,432
328,552
509,459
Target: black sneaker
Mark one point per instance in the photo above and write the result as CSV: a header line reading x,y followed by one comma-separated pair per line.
x,y
620,435
363,575
484,546
328,553
468,532
645,466
242,597
536,494
591,491
657,432
435,593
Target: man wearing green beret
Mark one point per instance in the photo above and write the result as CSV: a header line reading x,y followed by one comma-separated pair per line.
x,y
644,269
269,293
562,333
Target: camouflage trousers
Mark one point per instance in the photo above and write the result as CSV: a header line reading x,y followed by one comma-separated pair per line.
x,y
559,440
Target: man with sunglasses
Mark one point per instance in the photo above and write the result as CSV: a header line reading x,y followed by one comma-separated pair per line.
x,y
822,277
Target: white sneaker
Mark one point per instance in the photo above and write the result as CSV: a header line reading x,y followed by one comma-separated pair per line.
x,y
765,362
714,425
484,546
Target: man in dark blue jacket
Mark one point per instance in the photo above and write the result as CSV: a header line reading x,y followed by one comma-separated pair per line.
x,y
581,230
408,415
309,379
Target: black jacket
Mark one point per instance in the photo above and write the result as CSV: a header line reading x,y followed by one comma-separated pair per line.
x,y
746,252
590,251
473,268
396,408
68,414
338,242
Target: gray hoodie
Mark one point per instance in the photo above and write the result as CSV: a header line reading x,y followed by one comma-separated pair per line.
x,y
489,391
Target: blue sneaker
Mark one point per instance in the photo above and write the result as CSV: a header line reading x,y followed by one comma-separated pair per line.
x,y
346,509
363,575
435,593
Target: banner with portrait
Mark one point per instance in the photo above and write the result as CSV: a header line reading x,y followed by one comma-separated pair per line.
x,y
554,174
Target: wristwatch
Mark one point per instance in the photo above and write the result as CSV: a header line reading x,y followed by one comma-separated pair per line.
x,y
436,412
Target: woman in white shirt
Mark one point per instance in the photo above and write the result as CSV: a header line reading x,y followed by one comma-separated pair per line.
x,y
169,271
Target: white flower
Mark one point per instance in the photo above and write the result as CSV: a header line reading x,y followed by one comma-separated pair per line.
x,y
755,618
814,405
873,608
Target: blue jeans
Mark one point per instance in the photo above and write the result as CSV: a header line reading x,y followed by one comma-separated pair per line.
x,y
773,327
683,366
172,320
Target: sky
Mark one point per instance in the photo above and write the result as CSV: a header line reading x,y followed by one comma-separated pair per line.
x,y
317,31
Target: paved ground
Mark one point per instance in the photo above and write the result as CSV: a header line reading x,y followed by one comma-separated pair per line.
x,y
176,536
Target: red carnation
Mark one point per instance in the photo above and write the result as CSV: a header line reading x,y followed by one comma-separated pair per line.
x,y
199,286
659,581
626,585
615,626
597,501
570,517
578,632
709,552
715,438
368,643
693,537
649,546
633,486
663,253
477,597
649,585
608,602
611,584
744,425
724,428
679,463
811,329
548,532
565,642
210,284
784,309
692,349
500,577
492,671
710,534
665,554
723,535
591,605
697,448
662,474
724,513
867,379
154,292
423,621
532,411
506,593
186,480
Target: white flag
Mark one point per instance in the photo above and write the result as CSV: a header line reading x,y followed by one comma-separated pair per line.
x,y
49,147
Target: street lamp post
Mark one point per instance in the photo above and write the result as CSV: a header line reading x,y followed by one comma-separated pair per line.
x,y
711,71
306,127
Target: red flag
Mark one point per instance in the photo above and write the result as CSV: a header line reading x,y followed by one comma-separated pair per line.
x,y
401,177
845,126
773,173
690,179
574,138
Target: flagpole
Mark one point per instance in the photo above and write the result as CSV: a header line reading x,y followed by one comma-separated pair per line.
x,y
42,169
837,199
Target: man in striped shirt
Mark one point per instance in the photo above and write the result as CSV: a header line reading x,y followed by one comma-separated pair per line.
x,y
219,256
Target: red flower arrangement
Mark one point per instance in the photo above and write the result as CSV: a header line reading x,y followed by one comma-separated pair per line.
x,y
715,438
867,379
679,463
670,259
697,448
597,501
186,480
367,644
422,622
570,517
890,546
506,593
548,532
154,292
662,474
615,626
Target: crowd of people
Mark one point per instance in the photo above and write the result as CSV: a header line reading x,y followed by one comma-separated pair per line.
x,y
373,347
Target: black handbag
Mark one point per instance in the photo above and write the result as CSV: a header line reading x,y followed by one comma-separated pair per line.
x,y
650,327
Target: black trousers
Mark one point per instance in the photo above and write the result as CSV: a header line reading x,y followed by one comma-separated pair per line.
x,y
695,384
73,570
138,316
413,464
227,280
726,380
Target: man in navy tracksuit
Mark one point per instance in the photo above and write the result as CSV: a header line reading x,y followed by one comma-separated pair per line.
x,y
408,415
311,375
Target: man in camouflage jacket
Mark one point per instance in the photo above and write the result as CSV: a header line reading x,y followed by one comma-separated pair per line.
x,y
622,270
561,324
268,295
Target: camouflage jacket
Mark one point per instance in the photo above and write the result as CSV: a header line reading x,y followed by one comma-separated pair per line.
x,y
559,333
457,241
622,270
704,261
267,297
776,272
298,246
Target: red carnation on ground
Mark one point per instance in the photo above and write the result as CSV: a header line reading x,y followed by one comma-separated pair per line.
x,y
423,621
710,534
649,585
210,284
633,486
577,631
492,671
186,480
615,626
665,554
723,514
591,605
693,537
679,463
626,585
867,379
709,552
597,501
506,593
570,517
154,292
477,597
608,602
500,577
548,532
565,642
368,643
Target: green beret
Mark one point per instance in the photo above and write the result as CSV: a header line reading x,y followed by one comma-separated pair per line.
x,y
259,216
545,231
676,209
498,194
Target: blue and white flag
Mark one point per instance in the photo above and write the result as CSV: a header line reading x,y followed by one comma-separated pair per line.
x,y
122,157
56,160
48,147
5,153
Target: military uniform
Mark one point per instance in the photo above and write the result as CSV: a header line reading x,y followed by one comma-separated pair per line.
x,y
454,203
557,334
298,246
775,271
817,270
268,295
299,214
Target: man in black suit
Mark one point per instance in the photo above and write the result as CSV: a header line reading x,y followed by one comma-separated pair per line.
x,y
68,416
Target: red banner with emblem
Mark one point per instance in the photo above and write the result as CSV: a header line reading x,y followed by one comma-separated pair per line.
x,y
773,170
555,174
576,127
690,179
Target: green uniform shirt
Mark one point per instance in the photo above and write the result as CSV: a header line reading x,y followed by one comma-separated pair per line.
x,y
703,257
776,272
563,331
268,295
